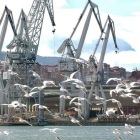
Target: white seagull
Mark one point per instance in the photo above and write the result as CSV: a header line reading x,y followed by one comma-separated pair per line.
x,y
51,130
77,110
23,121
35,74
99,98
65,97
127,95
4,132
128,126
22,86
131,84
116,133
78,104
45,83
73,120
125,132
42,107
39,88
83,88
63,89
71,76
119,80
77,60
115,101
110,112
14,104
80,99
119,89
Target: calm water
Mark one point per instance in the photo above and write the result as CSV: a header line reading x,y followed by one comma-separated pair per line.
x,y
68,133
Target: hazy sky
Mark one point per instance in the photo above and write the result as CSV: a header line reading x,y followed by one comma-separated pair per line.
x,y
126,17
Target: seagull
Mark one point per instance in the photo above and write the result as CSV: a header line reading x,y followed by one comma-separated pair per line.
x,y
77,110
99,98
72,80
135,100
114,101
4,132
110,112
14,104
80,87
73,120
116,133
78,104
119,89
77,60
42,107
63,89
51,130
22,86
128,126
45,83
23,121
22,105
132,84
65,97
114,79
71,76
128,95
27,95
35,74
125,132
39,88
80,99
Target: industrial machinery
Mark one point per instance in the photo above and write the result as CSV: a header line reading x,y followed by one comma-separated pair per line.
x,y
98,66
23,49
68,50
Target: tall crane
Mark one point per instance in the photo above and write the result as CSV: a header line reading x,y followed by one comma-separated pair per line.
x,y
98,66
67,49
23,48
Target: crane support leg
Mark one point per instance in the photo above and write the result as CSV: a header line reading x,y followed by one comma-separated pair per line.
x,y
89,98
2,98
103,95
62,100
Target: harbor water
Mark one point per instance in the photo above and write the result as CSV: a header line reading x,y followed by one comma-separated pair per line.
x,y
67,133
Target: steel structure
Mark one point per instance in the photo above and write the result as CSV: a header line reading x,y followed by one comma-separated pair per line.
x,y
23,48
67,49
98,66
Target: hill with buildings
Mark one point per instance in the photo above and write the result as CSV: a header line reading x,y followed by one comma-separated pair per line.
x,y
43,60
40,59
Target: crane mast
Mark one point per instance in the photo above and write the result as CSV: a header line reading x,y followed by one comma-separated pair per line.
x,y
68,49
98,66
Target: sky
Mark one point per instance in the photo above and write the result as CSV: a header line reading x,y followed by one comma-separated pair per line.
x,y
124,13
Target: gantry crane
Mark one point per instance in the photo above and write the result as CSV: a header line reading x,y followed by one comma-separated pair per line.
x,y
23,48
67,49
98,66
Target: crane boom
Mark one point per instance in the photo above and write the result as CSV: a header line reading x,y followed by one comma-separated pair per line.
x,y
109,27
82,39
11,20
35,19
